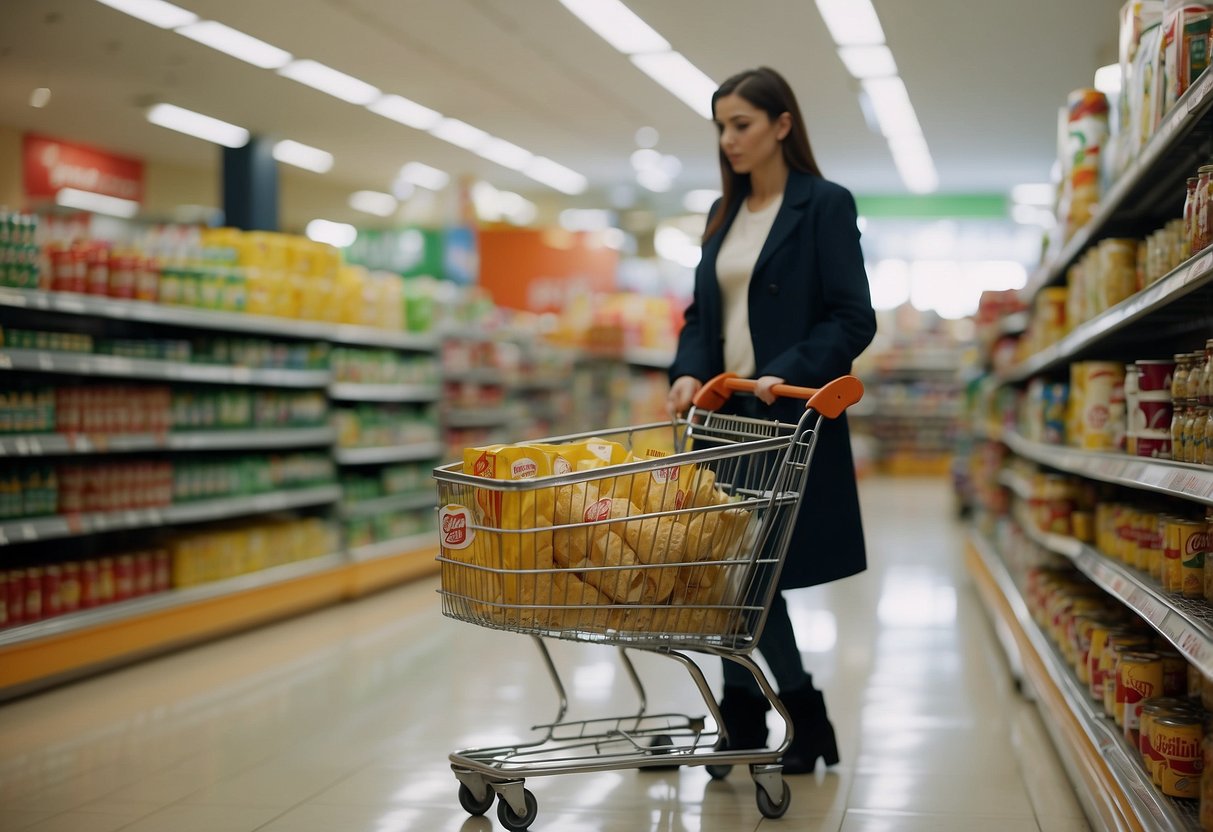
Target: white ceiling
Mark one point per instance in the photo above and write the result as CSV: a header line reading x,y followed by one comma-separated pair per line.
x,y
985,76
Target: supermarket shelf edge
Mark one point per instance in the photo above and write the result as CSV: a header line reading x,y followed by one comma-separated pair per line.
x,y
389,453
1177,479
393,502
52,527
112,366
346,391
64,444
1131,780
155,313
396,546
86,619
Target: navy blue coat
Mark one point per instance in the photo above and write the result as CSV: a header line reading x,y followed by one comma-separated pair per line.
x,y
810,317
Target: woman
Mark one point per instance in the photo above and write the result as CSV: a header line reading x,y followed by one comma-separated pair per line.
x,y
781,296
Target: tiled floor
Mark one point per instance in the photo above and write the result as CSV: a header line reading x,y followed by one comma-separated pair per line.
x,y
341,721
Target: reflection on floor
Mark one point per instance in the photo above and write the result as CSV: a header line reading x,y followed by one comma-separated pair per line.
x,y
342,720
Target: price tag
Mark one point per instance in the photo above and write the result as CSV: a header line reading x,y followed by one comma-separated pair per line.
x,y
35,446
22,446
4,541
45,362
6,362
1197,96
28,531
1150,608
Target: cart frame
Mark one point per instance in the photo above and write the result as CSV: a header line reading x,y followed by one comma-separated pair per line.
x,y
766,465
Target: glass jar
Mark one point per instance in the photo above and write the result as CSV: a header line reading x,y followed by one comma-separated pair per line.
x,y
1189,213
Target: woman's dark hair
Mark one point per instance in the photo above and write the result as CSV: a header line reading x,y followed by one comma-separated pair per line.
x,y
768,91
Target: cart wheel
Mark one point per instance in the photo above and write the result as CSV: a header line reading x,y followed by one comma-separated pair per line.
x,y
717,772
473,806
513,822
662,744
773,810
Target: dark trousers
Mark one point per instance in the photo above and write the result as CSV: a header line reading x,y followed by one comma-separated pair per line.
x,y
778,647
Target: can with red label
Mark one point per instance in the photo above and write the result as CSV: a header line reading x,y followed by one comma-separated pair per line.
x,y
144,573
162,571
69,587
33,594
105,581
124,578
1178,740
1138,678
52,600
16,596
89,585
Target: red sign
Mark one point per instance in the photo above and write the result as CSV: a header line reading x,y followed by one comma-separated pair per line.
x,y
51,165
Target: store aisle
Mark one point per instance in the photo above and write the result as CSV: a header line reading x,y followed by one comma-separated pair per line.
x,y
342,720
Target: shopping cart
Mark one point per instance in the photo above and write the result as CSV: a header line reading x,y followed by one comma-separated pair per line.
x,y
671,554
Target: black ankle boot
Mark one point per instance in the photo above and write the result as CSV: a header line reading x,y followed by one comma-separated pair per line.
x,y
813,735
745,718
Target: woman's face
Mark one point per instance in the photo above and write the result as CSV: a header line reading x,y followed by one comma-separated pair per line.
x,y
748,136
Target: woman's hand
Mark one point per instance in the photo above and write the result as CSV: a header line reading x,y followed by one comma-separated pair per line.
x,y
681,392
762,388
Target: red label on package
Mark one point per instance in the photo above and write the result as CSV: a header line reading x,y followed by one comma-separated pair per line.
x,y
600,510
456,525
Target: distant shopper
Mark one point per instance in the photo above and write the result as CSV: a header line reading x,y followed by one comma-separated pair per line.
x,y
781,295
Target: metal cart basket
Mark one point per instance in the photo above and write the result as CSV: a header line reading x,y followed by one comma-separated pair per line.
x,y
677,552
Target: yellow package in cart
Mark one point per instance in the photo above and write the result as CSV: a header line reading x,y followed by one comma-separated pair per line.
x,y
514,549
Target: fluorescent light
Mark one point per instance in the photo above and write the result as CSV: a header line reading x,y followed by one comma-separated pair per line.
x,y
328,80
39,98
155,12
374,202
851,22
229,41
700,202
617,25
516,208
402,110
303,156
892,106
1040,193
647,137
1108,79
646,159
585,219
555,175
198,125
681,78
868,61
914,163
337,234
505,154
654,180
459,133
422,174
97,203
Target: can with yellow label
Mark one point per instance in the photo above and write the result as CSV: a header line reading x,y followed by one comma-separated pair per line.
x,y
1178,740
1151,710
1138,678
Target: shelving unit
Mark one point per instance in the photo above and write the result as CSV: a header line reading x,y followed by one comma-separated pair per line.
x,y
35,654
1158,320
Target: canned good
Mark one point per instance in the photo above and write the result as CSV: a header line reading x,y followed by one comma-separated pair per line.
x,y
1151,710
1184,539
1118,644
1139,677
33,594
69,587
1178,739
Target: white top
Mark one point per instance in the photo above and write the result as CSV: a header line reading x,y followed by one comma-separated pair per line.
x,y
734,268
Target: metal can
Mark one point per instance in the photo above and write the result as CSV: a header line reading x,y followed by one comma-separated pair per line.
x,y
1183,536
52,599
1195,549
1151,710
69,587
1174,671
1178,740
33,593
1138,678
1118,644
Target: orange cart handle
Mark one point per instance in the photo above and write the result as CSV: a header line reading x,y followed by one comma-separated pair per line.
x,y
830,400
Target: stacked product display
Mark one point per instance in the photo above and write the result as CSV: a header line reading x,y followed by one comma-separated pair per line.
x,y
1089,473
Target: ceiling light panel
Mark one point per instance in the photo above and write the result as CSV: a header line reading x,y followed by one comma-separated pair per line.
x,y
406,112
681,78
155,12
97,203
914,163
618,25
460,133
891,103
232,42
198,125
505,154
328,80
374,202
868,61
419,173
851,22
556,176
303,156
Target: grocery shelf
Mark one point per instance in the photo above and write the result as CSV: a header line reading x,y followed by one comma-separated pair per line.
x,y
112,366
1014,324
412,452
469,418
1195,273
74,525
1177,479
154,313
1118,791
1175,146
388,548
1187,624
389,504
67,444
344,391
110,613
